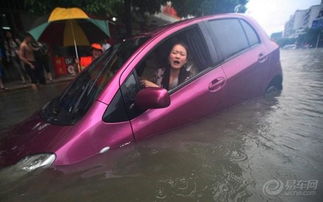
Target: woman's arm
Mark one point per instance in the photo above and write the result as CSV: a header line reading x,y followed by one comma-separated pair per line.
x,y
147,83
156,78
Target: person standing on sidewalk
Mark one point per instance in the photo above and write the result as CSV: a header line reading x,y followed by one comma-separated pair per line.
x,y
46,61
1,72
41,56
96,52
32,66
11,46
106,45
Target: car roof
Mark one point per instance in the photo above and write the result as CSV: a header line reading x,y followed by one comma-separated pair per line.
x,y
163,28
187,22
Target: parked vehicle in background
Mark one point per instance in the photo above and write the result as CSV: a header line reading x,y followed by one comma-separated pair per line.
x,y
290,46
230,59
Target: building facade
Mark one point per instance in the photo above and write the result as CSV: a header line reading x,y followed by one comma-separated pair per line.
x,y
302,20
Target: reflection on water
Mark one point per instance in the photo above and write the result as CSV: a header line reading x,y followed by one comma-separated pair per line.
x,y
224,157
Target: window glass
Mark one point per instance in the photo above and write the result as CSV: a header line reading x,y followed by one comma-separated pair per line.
x,y
185,51
122,106
129,91
77,98
228,35
116,110
251,34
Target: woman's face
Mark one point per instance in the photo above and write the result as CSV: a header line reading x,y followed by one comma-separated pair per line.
x,y
178,56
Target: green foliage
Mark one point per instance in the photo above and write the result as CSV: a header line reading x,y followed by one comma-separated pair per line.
x,y
206,7
97,7
128,10
116,7
150,6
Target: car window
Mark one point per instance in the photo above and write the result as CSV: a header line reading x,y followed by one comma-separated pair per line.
x,y
156,65
198,61
251,33
228,36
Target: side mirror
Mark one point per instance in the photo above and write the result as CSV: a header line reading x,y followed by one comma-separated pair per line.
x,y
152,98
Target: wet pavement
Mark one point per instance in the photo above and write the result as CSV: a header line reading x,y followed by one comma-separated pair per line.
x,y
20,101
261,150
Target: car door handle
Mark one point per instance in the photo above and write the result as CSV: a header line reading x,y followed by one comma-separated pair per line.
x,y
216,84
262,58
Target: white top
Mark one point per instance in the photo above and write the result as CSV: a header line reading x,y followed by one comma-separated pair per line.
x,y
173,84
106,46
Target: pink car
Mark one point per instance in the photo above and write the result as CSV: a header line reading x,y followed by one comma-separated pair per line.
x,y
148,85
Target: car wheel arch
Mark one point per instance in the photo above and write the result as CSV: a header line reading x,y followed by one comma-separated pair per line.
x,y
275,86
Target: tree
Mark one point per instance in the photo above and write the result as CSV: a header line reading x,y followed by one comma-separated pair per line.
x,y
97,7
206,7
125,9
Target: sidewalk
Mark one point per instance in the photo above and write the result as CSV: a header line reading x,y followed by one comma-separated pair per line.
x,y
16,85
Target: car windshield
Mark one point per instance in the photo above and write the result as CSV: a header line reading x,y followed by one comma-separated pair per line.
x,y
77,98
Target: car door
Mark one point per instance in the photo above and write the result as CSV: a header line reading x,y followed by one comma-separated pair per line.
x,y
244,59
196,97
114,128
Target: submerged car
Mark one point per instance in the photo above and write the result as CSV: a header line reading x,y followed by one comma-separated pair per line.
x,y
229,58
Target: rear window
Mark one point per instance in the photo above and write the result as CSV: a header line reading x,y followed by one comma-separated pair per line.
x,y
251,33
228,36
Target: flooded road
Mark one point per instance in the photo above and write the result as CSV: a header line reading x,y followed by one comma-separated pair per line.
x,y
260,150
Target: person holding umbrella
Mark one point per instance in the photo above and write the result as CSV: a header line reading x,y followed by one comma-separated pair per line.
x,y
1,72
26,54
96,52
70,27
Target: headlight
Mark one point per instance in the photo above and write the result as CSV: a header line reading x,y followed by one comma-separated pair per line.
x,y
30,163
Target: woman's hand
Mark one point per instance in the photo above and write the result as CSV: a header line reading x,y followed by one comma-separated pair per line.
x,y
147,83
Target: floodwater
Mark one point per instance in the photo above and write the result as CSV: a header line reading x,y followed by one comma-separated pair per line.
x,y
265,149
